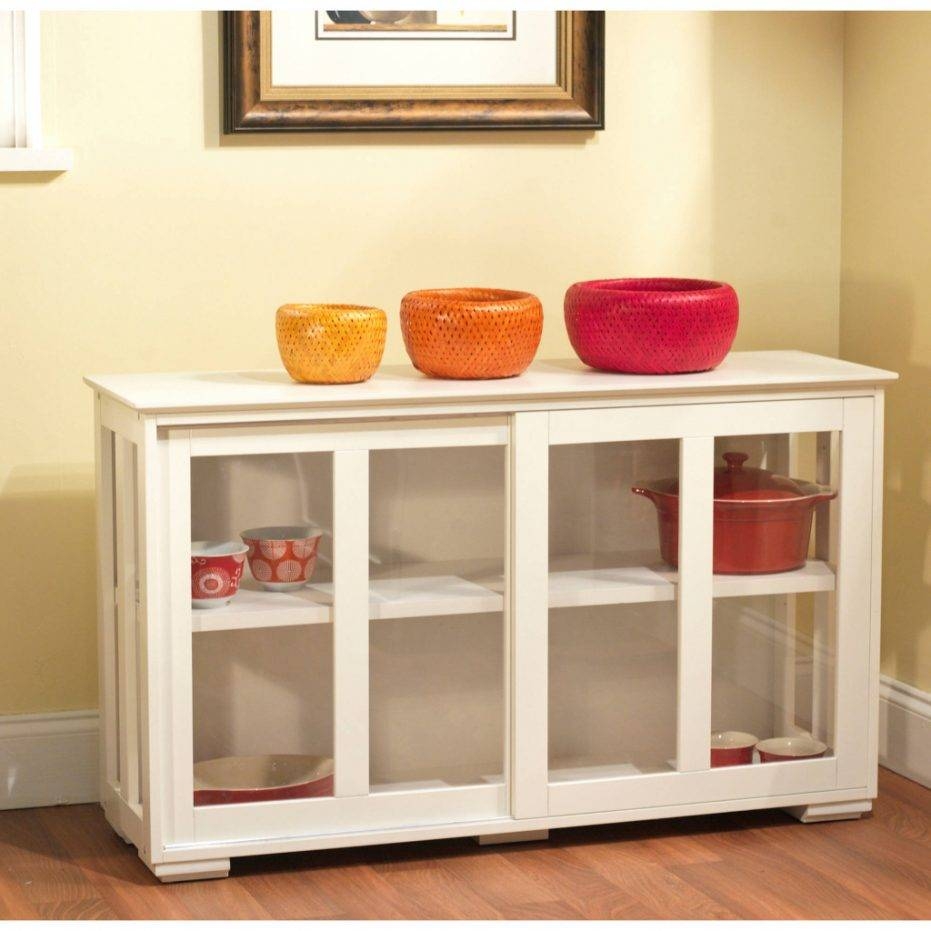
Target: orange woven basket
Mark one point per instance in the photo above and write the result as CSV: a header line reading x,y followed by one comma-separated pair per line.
x,y
330,344
471,332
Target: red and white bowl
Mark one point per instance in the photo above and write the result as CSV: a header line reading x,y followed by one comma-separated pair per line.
x,y
779,749
282,559
216,568
732,748
231,779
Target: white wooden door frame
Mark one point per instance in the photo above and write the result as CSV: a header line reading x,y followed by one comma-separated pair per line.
x,y
696,427
174,823
528,577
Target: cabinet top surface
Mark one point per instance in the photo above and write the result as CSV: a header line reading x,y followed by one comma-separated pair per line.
x,y
177,392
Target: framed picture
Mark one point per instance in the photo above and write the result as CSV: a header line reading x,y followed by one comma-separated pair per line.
x,y
325,70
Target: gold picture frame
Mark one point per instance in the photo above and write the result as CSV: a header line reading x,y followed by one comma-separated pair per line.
x,y
255,104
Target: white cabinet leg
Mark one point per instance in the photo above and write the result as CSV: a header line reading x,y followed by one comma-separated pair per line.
x,y
112,813
515,837
830,811
190,869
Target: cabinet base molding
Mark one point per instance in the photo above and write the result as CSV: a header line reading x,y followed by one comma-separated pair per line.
x,y
515,837
191,869
905,730
49,758
830,811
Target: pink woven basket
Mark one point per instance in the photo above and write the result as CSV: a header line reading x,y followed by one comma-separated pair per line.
x,y
651,326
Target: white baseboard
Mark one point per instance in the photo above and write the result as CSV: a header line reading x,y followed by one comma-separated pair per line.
x,y
48,759
905,730
51,759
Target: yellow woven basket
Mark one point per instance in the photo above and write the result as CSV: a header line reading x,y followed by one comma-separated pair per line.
x,y
330,344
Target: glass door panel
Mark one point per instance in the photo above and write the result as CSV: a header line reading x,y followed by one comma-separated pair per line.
x,y
613,641
263,661
657,642
264,693
773,676
436,636
612,698
774,618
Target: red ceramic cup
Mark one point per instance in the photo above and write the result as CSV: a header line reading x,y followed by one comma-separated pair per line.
x,y
780,749
282,559
216,568
732,748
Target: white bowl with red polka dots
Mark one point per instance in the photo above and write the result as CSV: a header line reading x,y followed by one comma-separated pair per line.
x,y
282,559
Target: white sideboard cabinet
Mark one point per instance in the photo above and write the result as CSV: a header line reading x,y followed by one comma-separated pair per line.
x,y
490,645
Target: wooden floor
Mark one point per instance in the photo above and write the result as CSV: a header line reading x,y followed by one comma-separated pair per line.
x,y
66,863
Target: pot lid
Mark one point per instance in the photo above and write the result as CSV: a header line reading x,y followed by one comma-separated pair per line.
x,y
736,482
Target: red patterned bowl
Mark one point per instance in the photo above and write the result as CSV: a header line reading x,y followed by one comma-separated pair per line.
x,y
216,568
282,558
651,326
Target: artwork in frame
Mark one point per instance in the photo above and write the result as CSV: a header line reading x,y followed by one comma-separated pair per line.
x,y
326,70
415,24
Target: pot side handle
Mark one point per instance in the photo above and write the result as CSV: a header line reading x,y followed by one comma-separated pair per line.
x,y
645,492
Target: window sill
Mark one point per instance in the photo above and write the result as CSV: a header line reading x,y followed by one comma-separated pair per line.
x,y
28,159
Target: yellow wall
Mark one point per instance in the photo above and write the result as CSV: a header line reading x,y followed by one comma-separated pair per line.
x,y
886,299
168,247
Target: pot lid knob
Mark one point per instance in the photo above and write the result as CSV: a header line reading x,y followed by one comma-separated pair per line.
x,y
735,461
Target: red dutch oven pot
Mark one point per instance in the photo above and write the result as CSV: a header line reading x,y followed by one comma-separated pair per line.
x,y
762,521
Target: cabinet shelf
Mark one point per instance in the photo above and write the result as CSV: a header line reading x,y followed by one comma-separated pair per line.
x,y
424,596
442,595
442,780
254,607
580,770
572,588
421,596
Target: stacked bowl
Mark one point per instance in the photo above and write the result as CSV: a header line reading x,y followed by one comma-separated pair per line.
x,y
651,326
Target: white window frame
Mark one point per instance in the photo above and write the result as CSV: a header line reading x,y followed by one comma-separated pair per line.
x,y
27,152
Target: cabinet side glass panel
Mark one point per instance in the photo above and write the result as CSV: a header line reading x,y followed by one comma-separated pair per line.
x,y
436,635
263,662
613,639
